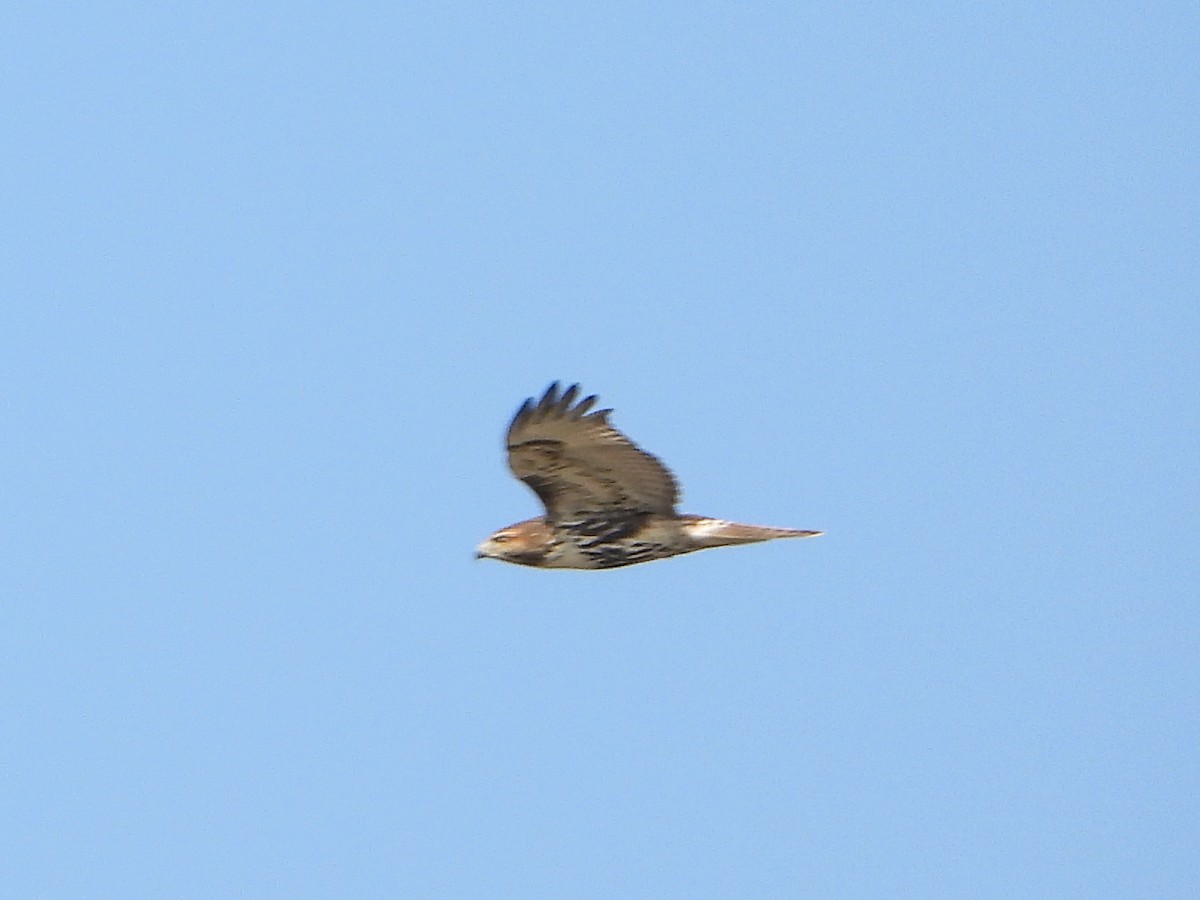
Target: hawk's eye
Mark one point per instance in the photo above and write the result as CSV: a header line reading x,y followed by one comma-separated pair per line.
x,y
500,538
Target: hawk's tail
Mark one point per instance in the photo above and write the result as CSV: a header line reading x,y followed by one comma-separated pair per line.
x,y
706,532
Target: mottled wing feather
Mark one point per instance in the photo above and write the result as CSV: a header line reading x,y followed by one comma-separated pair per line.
x,y
580,466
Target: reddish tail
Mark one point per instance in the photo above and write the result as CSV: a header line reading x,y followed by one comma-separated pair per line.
x,y
706,532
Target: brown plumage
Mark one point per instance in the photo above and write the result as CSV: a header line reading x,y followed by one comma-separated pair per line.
x,y
608,502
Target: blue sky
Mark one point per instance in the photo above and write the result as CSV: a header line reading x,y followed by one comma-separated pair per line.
x,y
922,276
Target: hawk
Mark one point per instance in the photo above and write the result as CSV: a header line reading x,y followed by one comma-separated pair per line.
x,y
608,502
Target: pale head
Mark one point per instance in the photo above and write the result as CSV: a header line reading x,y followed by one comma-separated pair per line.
x,y
524,543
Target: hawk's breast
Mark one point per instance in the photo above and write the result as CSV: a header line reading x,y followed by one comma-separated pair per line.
x,y
596,544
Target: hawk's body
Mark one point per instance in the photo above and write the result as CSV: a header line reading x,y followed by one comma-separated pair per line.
x,y
608,502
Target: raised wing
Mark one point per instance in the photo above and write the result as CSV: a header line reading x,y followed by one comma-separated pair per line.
x,y
580,466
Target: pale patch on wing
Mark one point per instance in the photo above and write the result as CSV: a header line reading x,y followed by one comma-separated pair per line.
x,y
699,527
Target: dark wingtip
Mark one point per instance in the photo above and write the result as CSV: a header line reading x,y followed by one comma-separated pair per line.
x,y
568,397
558,402
584,405
555,402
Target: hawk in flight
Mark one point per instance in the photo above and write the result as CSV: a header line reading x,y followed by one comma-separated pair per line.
x,y
608,502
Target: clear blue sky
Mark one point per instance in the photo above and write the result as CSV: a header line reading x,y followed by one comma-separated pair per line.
x,y
275,276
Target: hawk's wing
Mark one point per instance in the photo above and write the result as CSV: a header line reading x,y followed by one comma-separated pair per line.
x,y
580,466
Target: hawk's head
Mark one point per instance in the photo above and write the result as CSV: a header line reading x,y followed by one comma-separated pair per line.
x,y
525,543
